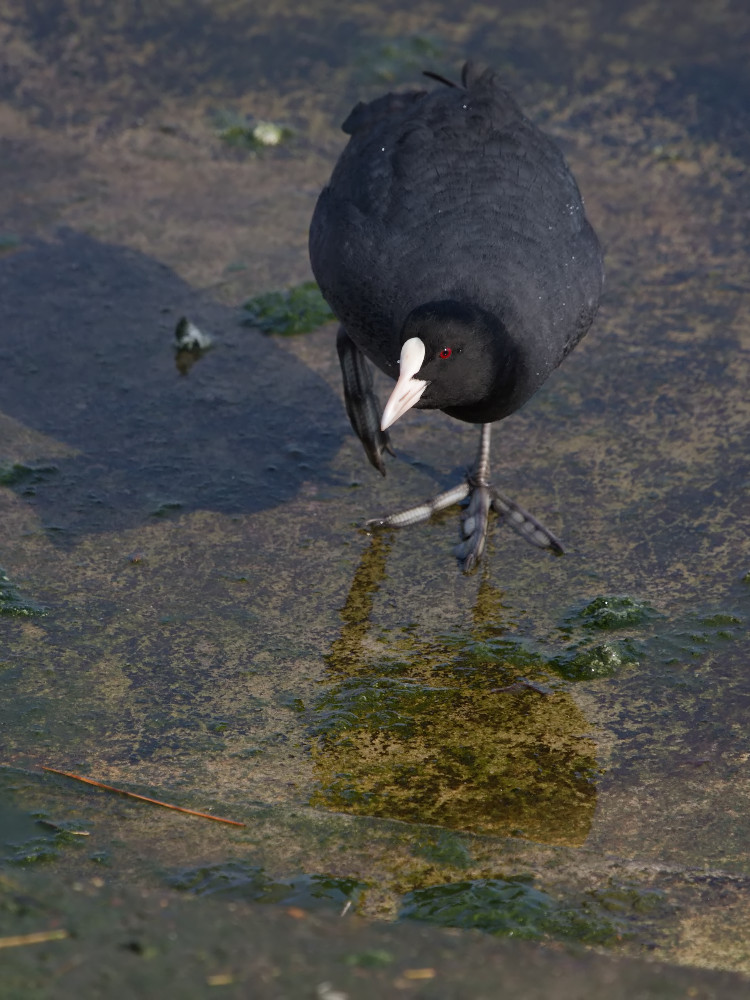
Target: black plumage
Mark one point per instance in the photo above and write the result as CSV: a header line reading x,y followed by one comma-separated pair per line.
x,y
453,223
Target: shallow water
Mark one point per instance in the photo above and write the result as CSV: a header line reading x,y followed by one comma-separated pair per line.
x,y
189,607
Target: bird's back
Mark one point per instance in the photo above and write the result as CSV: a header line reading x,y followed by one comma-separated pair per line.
x,y
454,194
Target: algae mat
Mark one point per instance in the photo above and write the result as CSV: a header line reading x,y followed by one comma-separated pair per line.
x,y
551,749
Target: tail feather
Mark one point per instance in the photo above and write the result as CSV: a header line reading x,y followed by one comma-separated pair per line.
x,y
439,78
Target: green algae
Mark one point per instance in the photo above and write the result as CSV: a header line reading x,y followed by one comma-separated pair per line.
x,y
242,880
476,752
370,861
631,901
166,508
34,838
12,602
696,635
609,614
589,658
469,729
25,478
651,637
585,662
289,312
507,907
476,728
443,848
372,958
514,907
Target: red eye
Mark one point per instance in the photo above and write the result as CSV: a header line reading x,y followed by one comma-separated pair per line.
x,y
446,352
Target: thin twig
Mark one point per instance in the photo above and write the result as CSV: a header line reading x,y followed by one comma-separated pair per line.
x,y
38,937
142,798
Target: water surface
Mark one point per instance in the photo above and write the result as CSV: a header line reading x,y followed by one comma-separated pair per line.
x,y
189,608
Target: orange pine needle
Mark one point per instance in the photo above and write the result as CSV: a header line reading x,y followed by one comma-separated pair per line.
x,y
142,798
37,937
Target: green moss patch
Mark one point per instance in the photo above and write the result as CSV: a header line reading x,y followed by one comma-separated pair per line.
x,y
289,312
241,880
515,908
33,839
12,602
609,614
25,478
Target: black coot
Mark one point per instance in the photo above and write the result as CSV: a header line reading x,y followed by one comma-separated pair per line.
x,y
452,244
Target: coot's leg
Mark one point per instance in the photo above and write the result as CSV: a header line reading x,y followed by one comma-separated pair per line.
x,y
524,523
422,511
482,496
362,406
474,520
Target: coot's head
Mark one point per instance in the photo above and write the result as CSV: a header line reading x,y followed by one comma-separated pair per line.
x,y
453,355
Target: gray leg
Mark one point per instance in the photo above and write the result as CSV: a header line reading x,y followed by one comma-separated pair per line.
x,y
474,521
362,406
524,523
423,511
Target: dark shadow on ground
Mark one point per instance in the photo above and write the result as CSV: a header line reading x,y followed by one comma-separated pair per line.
x,y
87,357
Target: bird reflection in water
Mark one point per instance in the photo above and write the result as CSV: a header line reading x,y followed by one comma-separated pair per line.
x,y
466,730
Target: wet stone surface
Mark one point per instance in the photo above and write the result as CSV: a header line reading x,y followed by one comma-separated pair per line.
x,y
551,749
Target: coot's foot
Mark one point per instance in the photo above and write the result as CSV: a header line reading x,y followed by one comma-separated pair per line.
x,y
474,520
362,406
